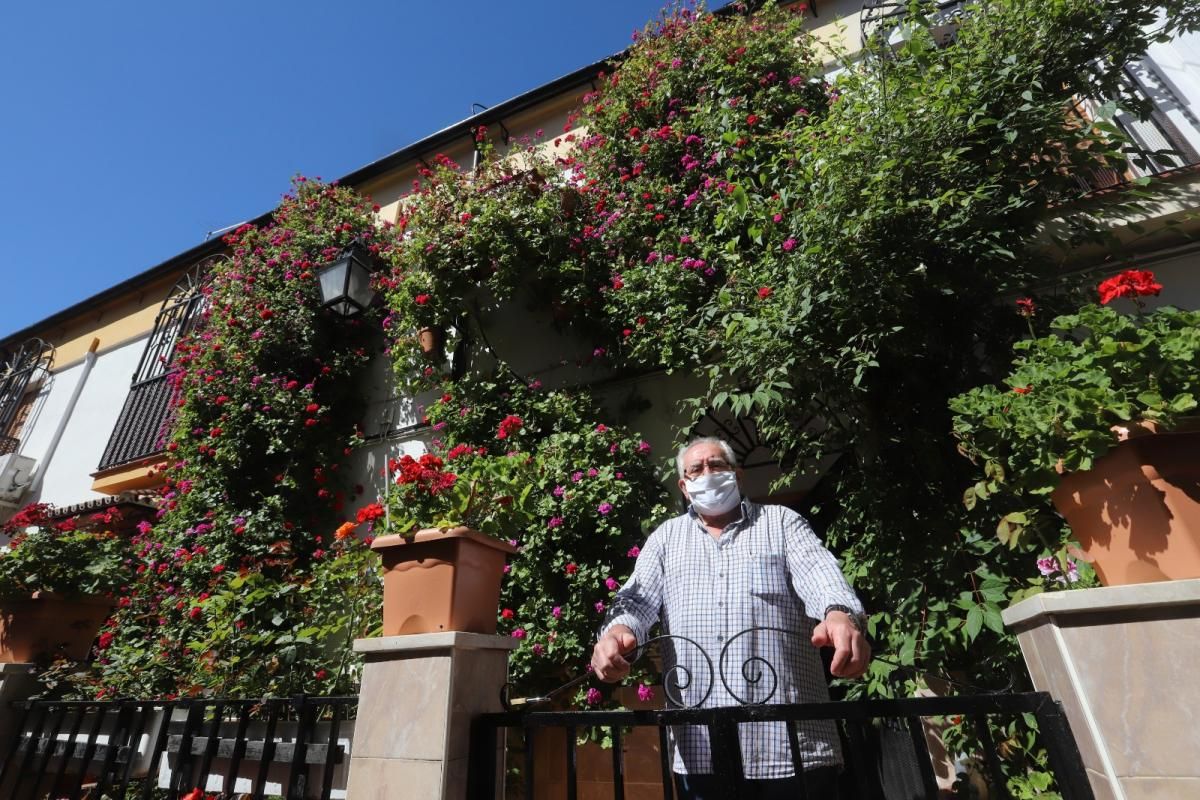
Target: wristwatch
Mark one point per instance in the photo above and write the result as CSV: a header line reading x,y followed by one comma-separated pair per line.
x,y
856,619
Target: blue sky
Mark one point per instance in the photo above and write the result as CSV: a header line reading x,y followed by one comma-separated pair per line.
x,y
129,130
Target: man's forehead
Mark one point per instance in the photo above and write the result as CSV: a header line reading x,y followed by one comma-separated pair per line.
x,y
703,450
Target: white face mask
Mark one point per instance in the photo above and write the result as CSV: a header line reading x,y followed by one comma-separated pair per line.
x,y
713,492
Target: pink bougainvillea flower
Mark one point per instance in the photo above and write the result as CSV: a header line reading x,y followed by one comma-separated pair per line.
x,y
645,693
611,583
554,522
556,612
518,633
593,696
634,551
789,245
600,606
604,508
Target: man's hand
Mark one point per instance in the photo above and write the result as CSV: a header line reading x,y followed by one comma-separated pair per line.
x,y
851,653
608,663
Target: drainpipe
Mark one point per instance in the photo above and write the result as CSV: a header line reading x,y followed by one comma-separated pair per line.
x,y
39,472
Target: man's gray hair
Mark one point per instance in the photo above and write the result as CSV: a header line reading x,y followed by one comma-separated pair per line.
x,y
730,456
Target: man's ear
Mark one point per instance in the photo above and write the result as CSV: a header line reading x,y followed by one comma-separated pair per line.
x,y
683,489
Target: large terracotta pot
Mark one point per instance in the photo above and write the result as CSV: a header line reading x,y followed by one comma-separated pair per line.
x,y
432,342
1136,513
441,581
48,624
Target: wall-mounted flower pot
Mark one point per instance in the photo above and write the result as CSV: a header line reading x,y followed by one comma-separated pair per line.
x,y
441,581
432,342
45,624
1136,513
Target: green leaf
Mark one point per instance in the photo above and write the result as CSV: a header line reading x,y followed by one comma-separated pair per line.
x,y
973,624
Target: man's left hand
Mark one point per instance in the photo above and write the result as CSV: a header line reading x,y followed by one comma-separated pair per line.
x,y
851,653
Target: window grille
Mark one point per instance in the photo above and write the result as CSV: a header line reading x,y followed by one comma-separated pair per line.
x,y
141,429
23,369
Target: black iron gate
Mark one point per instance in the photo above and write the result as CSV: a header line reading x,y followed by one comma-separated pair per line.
x,y
859,724
129,748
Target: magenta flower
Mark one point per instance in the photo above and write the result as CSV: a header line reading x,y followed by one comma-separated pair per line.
x,y
554,522
593,696
559,491
634,551
604,508
518,633
576,476
645,693
611,583
600,606
538,649
789,245
556,612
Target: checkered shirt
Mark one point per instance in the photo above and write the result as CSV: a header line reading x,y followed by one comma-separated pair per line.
x,y
768,569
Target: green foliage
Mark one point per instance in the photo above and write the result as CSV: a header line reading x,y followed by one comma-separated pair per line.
x,y
243,586
593,495
81,555
1070,392
489,493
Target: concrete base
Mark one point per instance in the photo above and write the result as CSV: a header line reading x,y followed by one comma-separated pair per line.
x,y
419,694
1122,660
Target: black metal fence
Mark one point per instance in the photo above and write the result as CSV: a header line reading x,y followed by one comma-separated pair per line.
x,y
859,722
290,747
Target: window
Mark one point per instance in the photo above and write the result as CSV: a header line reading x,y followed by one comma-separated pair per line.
x,y
142,427
24,368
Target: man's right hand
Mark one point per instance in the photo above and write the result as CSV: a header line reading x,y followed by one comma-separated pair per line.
x,y
608,663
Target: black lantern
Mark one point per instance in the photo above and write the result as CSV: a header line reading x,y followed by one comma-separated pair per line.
x,y
346,282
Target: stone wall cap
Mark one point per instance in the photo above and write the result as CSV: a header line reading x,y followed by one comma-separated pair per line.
x,y
17,668
1105,598
446,640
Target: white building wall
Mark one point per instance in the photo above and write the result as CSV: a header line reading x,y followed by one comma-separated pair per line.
x,y
68,477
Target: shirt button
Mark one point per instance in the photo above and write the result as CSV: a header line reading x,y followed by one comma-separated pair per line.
x,y
720,603
720,638
720,574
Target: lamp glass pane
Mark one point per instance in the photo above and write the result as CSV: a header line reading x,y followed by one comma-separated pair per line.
x,y
333,280
359,288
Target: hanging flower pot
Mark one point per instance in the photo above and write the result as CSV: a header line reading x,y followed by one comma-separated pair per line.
x,y
432,342
45,624
441,581
1136,513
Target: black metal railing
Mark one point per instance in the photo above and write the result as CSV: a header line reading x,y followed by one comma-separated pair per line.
x,y
294,747
858,723
142,428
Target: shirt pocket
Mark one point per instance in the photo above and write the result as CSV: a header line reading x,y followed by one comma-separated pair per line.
x,y
769,578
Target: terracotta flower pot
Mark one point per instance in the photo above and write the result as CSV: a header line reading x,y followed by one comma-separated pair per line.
x,y
1136,513
48,624
441,581
432,342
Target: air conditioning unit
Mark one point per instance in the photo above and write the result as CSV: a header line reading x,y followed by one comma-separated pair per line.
x,y
15,470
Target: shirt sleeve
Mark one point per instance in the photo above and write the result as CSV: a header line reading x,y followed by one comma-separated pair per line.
x,y
816,575
638,603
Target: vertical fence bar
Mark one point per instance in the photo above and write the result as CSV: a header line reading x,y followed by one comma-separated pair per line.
x,y
797,757
916,730
268,752
664,757
481,763
1065,759
298,773
331,755
57,713
89,749
213,737
15,747
726,748
156,752
181,780
239,748
571,763
115,738
134,739
527,736
857,743
999,785
618,758
69,746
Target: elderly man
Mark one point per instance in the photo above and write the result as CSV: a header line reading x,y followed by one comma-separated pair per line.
x,y
730,565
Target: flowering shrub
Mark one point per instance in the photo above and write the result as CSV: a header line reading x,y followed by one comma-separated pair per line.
x,y
79,555
243,585
489,493
592,494
1098,369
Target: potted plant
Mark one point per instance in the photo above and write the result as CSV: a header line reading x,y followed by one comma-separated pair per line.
x,y
57,580
460,518
1094,418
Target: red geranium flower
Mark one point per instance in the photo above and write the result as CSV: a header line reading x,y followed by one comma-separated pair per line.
x,y
764,292
508,426
1130,283
1026,307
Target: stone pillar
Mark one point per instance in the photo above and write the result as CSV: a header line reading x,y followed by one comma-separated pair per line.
x,y
419,694
1123,660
